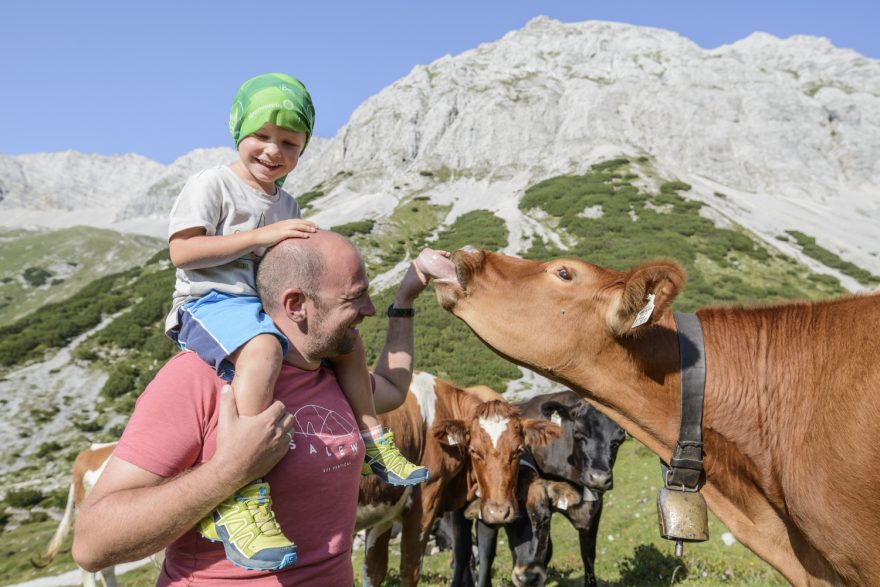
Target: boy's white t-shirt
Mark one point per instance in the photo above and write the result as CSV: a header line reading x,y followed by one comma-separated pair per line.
x,y
219,201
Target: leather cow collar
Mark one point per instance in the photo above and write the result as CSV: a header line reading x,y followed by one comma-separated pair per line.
x,y
685,468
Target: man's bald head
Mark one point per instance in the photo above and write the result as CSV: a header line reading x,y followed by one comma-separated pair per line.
x,y
299,263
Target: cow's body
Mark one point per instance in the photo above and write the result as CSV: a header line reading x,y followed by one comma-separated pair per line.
x,y
791,420
380,505
86,469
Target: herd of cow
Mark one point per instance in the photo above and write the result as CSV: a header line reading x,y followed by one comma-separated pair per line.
x,y
492,464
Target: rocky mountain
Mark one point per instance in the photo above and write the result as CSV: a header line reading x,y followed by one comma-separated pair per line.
x,y
787,129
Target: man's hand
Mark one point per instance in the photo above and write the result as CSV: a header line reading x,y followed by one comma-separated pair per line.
x,y
249,446
272,234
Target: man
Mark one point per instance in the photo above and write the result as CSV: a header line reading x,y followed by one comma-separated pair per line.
x,y
185,448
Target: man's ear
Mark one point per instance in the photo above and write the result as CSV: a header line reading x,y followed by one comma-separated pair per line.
x,y
450,433
648,292
540,432
294,301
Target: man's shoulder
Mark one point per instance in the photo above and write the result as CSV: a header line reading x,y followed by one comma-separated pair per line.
x,y
186,366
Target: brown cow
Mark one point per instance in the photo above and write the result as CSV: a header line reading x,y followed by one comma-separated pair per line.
x,y
380,505
452,433
86,469
791,421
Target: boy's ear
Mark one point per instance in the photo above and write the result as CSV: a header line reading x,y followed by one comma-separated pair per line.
x,y
450,432
293,302
648,292
540,432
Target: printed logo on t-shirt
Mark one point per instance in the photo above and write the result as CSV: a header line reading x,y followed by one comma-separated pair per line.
x,y
325,434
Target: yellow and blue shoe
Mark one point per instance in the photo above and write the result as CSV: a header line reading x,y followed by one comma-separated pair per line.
x,y
384,460
251,536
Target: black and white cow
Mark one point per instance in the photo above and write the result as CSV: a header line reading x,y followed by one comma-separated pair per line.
x,y
569,476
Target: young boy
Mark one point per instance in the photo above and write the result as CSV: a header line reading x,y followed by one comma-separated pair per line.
x,y
221,224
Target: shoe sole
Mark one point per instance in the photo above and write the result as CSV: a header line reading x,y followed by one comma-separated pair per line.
x,y
392,479
239,560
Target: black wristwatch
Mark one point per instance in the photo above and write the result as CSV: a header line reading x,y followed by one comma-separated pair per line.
x,y
400,312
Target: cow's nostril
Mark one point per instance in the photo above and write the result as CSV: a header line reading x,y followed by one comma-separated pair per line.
x,y
600,480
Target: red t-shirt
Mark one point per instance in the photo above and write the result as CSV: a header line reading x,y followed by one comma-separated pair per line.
x,y
314,487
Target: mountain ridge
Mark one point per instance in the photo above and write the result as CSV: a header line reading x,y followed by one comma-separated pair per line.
x,y
787,129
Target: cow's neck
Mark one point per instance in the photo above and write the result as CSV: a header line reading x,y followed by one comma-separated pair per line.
x,y
635,381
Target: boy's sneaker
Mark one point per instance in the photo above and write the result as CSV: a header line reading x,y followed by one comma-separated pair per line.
x,y
384,459
251,536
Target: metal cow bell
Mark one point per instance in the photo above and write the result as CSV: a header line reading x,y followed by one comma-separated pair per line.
x,y
683,517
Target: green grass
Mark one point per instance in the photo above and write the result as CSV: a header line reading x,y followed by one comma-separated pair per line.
x,y
722,264
40,267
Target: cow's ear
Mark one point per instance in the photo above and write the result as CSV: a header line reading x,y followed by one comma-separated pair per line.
x,y
473,510
450,432
555,412
540,432
647,294
562,495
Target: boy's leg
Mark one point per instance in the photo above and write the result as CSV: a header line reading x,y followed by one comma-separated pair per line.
x,y
382,458
257,365
245,522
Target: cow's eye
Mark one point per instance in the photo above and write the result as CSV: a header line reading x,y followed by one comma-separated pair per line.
x,y
476,455
563,273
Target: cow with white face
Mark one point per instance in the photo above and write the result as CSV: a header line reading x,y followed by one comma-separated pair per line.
x,y
496,436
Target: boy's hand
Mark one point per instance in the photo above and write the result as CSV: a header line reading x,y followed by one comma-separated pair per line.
x,y
430,264
273,234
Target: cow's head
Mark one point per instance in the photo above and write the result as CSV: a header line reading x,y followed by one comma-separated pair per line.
x,y
587,449
540,313
496,436
529,536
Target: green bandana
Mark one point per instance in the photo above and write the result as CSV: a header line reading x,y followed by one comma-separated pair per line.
x,y
271,97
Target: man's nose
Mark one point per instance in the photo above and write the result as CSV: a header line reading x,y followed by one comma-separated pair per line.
x,y
369,309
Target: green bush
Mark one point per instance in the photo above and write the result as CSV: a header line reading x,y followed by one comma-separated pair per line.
x,y
356,227
46,449
307,198
36,276
809,247
122,380
24,498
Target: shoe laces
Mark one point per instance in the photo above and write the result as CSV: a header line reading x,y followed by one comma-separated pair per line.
x,y
264,518
390,456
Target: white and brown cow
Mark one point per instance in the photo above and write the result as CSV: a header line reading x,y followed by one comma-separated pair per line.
x,y
791,419
86,469
457,437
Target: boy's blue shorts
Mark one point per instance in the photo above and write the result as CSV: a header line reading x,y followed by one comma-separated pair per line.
x,y
218,324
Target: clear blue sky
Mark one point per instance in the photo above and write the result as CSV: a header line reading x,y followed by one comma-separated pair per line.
x,y
157,77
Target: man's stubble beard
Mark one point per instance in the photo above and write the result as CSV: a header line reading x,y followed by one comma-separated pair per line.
x,y
323,344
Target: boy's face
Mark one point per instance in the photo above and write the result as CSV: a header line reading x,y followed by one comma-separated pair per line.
x,y
270,153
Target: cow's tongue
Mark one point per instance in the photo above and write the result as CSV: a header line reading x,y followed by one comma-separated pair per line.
x,y
435,264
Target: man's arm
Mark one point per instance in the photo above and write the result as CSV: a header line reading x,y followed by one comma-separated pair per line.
x,y
132,513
